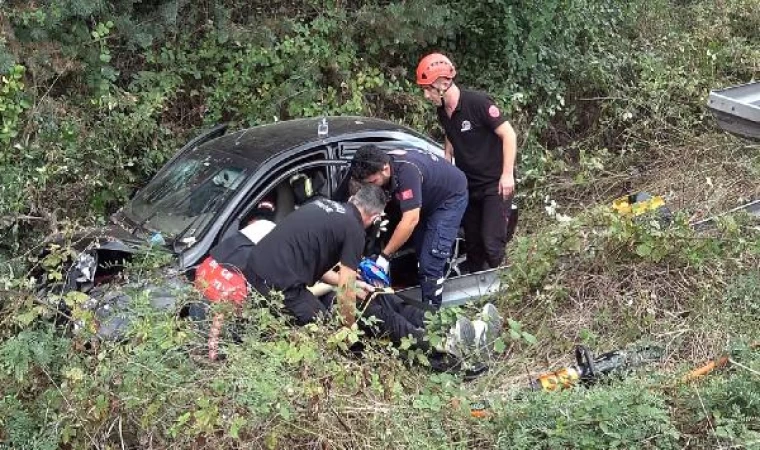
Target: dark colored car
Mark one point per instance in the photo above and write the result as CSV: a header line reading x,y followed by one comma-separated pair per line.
x,y
211,187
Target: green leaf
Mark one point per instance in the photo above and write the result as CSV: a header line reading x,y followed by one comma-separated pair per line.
x,y
529,338
74,374
74,298
181,420
26,318
57,276
341,335
499,346
284,411
644,250
235,426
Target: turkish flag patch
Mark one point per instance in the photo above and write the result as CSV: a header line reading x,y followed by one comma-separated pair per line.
x,y
405,195
493,111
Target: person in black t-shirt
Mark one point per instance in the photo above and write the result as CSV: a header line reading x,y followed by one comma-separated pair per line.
x,y
482,144
432,195
302,249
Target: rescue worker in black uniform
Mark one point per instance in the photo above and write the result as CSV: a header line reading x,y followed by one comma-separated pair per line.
x,y
302,249
482,144
432,196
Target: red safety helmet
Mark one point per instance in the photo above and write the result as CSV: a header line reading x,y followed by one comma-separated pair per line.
x,y
434,66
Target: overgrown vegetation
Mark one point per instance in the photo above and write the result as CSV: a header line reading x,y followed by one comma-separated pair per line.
x,y
607,97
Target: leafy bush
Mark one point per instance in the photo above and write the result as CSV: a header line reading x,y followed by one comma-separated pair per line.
x,y
121,83
724,409
601,274
13,103
95,96
626,415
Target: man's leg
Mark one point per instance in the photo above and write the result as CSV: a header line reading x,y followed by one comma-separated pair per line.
x,y
440,233
304,306
398,321
473,238
414,315
393,323
495,220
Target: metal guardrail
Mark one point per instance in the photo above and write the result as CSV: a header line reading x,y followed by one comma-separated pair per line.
x,y
737,109
752,208
464,288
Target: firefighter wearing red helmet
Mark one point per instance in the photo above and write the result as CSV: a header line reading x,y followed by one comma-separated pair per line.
x,y
482,143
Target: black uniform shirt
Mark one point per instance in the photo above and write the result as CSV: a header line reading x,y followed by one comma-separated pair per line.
x,y
234,252
423,180
478,150
305,245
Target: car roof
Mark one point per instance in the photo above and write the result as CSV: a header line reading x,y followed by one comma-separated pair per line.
x,y
259,143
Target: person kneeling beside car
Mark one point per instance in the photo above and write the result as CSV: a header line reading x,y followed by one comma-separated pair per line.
x,y
303,249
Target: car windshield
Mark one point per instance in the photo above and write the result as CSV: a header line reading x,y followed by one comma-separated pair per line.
x,y
189,193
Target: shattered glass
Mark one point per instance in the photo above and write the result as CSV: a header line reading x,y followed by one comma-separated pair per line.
x,y
192,190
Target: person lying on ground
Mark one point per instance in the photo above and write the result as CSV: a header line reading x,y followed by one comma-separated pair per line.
x,y
228,273
397,319
295,254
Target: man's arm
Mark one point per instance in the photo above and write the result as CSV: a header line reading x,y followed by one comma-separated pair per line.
x,y
448,150
403,231
331,277
326,284
509,148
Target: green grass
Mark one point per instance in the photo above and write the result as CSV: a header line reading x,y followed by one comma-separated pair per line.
x,y
284,387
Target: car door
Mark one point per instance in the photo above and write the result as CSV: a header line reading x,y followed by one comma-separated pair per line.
x,y
459,287
191,249
272,184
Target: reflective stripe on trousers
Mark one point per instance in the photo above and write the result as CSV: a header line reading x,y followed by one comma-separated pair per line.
x,y
434,241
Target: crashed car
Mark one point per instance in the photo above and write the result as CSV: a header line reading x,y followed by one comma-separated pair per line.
x,y
210,188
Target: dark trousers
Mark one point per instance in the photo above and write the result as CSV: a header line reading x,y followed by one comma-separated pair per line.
x,y
486,225
434,239
306,307
397,320
299,302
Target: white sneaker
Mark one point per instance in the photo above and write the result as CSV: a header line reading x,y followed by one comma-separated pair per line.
x,y
487,329
460,341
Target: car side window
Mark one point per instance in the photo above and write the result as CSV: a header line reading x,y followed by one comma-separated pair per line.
x,y
294,180
288,194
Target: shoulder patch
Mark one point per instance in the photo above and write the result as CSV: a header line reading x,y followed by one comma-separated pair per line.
x,y
405,195
493,111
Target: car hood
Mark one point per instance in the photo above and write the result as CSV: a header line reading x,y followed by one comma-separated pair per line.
x,y
111,237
